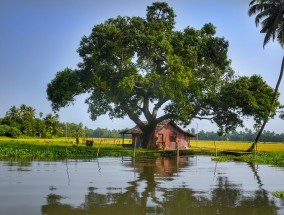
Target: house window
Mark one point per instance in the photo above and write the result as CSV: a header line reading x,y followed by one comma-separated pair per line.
x,y
173,137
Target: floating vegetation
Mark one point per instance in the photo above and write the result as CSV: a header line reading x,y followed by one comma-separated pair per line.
x,y
58,149
278,194
271,158
17,150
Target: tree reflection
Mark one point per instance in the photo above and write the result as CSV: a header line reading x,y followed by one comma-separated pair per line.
x,y
19,166
225,198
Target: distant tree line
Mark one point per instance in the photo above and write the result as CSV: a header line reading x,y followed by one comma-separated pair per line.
x,y
246,135
105,133
22,121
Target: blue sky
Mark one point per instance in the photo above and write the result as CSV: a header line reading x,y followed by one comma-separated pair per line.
x,y
39,38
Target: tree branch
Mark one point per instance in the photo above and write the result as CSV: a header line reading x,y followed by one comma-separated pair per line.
x,y
136,120
157,106
164,117
207,118
146,111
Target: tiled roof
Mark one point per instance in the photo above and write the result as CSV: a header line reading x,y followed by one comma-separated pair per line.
x,y
137,130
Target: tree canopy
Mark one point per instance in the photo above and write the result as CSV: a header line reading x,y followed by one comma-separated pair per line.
x,y
134,66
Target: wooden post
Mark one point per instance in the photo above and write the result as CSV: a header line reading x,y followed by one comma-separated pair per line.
x,y
134,148
177,157
99,149
66,131
177,149
122,138
215,149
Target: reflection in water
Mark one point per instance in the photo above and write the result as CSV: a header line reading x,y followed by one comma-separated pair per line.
x,y
19,166
254,170
152,198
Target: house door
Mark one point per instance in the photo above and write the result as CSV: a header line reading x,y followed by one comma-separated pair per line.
x,y
161,141
160,138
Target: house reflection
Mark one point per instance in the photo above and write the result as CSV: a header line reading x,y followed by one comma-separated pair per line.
x,y
224,198
159,167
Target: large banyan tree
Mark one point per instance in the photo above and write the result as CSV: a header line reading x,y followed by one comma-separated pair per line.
x,y
135,66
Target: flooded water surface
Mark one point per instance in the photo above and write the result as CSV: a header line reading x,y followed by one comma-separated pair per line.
x,y
188,185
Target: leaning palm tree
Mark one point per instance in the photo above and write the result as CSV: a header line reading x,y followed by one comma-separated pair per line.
x,y
270,14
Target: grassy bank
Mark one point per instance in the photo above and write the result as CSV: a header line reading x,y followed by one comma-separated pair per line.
x,y
267,153
58,149
61,148
270,158
235,146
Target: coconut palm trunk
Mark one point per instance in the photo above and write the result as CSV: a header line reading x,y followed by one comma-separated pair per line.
x,y
254,145
269,13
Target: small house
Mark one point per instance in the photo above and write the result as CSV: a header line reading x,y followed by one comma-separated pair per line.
x,y
167,136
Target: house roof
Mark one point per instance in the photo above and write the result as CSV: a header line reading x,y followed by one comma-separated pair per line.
x,y
137,130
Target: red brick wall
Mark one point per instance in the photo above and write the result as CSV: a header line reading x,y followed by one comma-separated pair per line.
x,y
168,131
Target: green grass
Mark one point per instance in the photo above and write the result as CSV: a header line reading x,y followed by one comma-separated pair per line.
x,y
58,149
267,153
235,145
61,148
271,158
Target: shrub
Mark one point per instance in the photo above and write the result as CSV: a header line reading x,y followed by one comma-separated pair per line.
x,y
4,129
8,131
13,132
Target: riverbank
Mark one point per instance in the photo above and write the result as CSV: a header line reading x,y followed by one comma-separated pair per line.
x,y
16,150
270,153
60,149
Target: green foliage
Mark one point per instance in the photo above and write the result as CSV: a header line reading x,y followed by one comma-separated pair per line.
x,y
8,131
269,13
52,128
14,150
134,66
13,132
246,135
107,133
3,129
271,158
66,79
22,121
76,130
278,194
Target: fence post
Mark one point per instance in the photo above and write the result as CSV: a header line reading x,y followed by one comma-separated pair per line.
x,y
134,148
99,149
177,149
215,149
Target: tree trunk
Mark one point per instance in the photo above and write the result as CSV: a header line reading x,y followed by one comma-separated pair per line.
x,y
254,144
149,137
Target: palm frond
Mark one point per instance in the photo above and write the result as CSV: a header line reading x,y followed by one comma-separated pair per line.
x,y
267,38
264,13
280,34
270,14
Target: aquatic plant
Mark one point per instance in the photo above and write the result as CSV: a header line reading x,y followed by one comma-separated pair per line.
x,y
278,194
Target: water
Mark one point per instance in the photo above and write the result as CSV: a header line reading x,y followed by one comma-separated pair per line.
x,y
191,185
